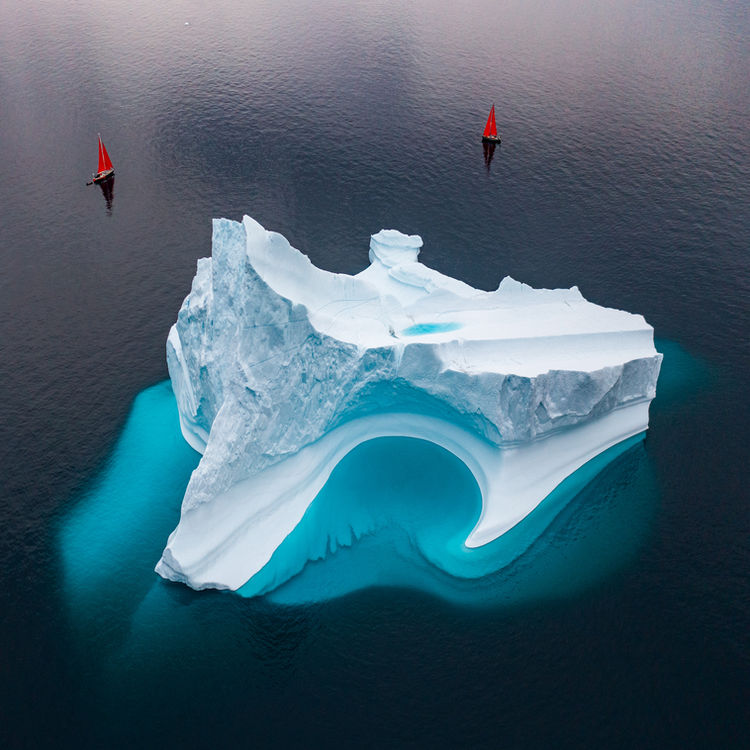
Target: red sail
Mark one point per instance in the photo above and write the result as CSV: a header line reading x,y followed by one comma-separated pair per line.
x,y
104,160
490,129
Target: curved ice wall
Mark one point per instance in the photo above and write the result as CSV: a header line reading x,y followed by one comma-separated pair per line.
x,y
280,369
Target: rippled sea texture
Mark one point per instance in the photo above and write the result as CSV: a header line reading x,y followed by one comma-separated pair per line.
x,y
624,169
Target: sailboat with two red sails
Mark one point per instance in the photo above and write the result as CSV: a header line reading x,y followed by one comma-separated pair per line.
x,y
490,129
105,170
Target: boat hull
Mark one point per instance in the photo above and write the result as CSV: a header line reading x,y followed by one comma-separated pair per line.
x,y
490,139
102,176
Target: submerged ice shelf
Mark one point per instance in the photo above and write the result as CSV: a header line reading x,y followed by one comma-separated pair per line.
x,y
281,369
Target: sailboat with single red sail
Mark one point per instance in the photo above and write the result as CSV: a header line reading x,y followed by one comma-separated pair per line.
x,y
490,129
105,170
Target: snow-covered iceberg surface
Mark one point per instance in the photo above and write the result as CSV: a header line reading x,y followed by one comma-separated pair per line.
x,y
280,369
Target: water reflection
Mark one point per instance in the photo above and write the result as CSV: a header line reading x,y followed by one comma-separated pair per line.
x,y
108,191
489,152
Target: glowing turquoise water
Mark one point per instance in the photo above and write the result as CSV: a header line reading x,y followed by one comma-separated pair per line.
x,y
113,537
397,511
422,328
394,512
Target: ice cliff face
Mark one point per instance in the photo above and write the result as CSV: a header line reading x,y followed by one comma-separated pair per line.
x,y
281,368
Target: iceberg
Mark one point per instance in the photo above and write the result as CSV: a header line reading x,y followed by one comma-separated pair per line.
x,y
280,369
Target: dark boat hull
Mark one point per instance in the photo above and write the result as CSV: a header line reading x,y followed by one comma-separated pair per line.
x,y
102,176
490,139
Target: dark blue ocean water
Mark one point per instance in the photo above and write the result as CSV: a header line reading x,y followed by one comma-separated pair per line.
x,y
624,169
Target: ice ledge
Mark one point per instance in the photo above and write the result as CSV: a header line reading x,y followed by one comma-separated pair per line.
x,y
281,368
392,248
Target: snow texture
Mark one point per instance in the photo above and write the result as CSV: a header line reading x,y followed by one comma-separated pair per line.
x,y
281,368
